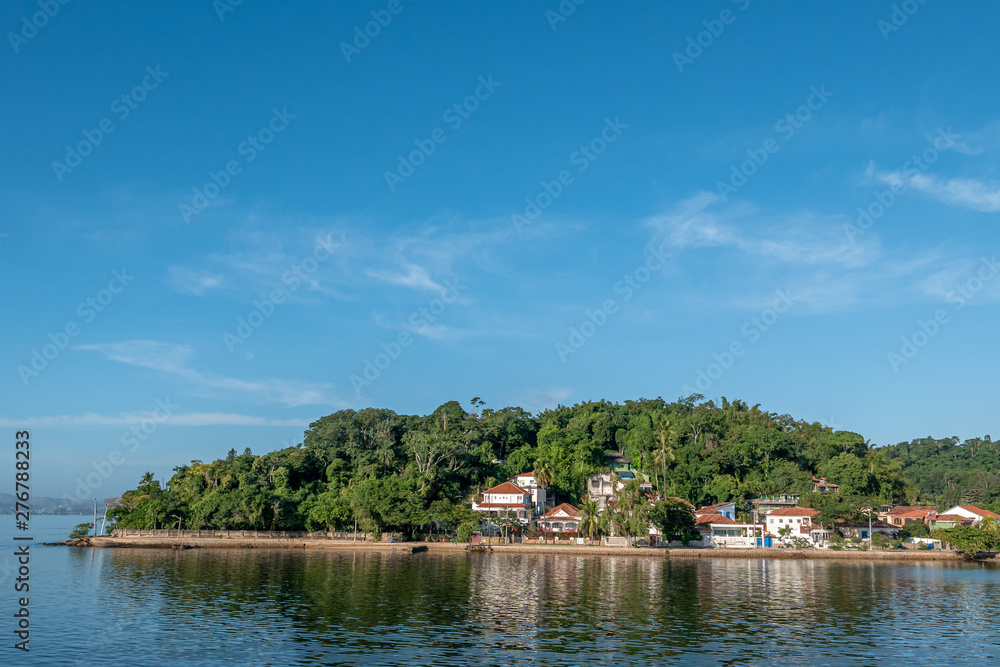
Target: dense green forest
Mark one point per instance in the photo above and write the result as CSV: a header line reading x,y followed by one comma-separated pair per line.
x,y
402,472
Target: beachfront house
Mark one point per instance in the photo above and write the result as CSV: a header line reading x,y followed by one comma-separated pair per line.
x,y
530,483
963,515
562,519
945,521
721,532
508,499
799,521
899,516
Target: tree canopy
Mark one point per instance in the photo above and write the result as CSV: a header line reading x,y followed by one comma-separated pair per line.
x,y
407,472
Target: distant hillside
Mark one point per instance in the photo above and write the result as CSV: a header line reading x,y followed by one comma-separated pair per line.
x,y
45,505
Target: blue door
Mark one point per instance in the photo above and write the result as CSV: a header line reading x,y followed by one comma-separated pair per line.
x,y
768,541
760,542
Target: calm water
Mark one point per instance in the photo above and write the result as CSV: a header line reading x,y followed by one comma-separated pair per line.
x,y
256,607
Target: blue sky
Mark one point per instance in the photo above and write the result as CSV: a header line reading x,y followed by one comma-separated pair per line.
x,y
503,201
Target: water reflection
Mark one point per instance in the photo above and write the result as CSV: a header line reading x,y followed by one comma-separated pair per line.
x,y
286,607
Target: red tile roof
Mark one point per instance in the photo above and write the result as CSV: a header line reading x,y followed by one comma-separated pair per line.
x,y
496,506
954,517
982,513
573,513
793,511
707,519
906,509
507,488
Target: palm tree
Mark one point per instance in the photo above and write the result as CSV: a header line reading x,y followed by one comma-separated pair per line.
x,y
543,473
592,523
666,436
147,478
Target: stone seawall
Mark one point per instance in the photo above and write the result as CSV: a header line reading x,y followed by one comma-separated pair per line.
x,y
163,542
694,553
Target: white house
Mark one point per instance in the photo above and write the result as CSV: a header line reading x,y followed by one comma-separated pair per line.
x,y
562,518
506,497
529,483
973,514
722,532
799,520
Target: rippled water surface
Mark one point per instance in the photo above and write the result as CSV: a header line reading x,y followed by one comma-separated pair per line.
x,y
274,607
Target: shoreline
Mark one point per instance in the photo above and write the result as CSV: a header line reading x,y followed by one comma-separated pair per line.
x,y
574,550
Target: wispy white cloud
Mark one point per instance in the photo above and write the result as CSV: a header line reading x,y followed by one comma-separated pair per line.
x,y
963,192
304,263
804,252
413,276
802,238
983,140
194,281
173,359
